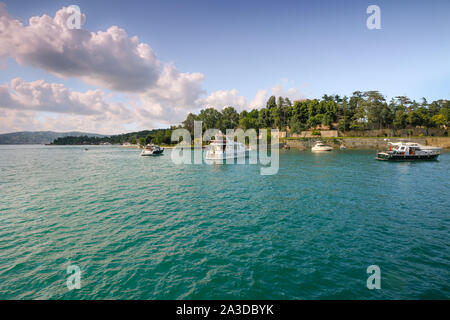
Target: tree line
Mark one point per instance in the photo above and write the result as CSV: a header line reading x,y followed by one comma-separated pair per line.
x,y
361,111
158,136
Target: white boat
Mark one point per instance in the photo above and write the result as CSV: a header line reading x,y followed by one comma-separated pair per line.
x,y
408,151
320,146
223,148
152,150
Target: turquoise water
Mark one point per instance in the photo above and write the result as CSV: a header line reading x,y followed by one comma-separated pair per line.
x,y
145,228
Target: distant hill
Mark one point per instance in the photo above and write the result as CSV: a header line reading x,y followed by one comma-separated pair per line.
x,y
40,137
155,135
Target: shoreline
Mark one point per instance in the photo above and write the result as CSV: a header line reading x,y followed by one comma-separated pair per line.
x,y
305,143
367,143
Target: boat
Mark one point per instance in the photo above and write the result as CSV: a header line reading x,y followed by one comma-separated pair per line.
x,y
152,150
408,151
222,148
321,146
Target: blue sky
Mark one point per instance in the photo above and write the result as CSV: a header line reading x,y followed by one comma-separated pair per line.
x,y
316,47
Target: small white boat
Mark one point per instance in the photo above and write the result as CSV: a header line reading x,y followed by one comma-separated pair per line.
x,y
152,150
320,146
223,148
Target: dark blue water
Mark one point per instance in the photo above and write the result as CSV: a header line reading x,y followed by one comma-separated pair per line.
x,y
145,228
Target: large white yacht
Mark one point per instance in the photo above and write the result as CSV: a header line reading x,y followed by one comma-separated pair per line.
x,y
223,148
409,151
321,146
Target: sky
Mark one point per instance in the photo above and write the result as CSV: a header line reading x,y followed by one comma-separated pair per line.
x,y
137,65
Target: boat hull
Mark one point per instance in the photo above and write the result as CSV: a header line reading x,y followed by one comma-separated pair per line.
x,y
225,155
322,149
154,153
397,157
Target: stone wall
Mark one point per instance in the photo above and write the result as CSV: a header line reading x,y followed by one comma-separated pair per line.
x,y
308,134
443,142
415,132
363,143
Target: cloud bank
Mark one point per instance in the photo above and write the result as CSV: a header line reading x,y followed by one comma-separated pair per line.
x,y
157,94
109,59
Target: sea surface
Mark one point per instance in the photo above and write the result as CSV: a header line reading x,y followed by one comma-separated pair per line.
x,y
146,228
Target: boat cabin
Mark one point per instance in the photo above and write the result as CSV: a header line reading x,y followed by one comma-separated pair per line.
x,y
405,148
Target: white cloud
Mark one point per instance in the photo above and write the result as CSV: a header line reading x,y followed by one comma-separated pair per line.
x,y
38,105
291,93
109,59
156,94
174,95
259,100
53,97
168,103
12,120
223,98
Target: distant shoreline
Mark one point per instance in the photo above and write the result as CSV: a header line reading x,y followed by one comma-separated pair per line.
x,y
305,143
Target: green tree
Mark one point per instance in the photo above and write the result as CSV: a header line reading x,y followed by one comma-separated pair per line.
x,y
271,103
212,119
148,139
300,113
189,123
419,117
287,102
374,103
280,103
249,120
400,119
230,118
265,118
438,120
343,115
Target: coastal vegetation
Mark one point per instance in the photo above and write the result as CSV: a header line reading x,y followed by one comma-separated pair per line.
x,y
360,112
39,137
159,136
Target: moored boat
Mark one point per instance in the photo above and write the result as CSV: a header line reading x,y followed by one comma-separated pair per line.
x,y
152,150
321,146
408,151
223,148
